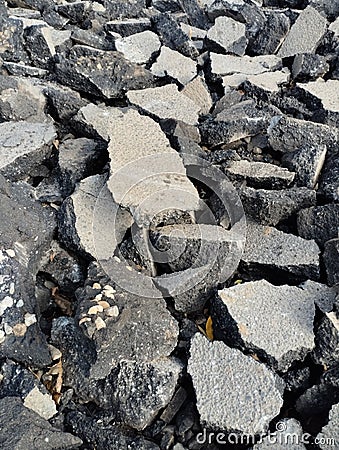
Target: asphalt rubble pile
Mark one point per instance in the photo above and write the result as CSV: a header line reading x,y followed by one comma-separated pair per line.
x,y
103,107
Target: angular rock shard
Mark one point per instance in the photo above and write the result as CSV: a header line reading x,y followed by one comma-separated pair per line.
x,y
282,339
252,391
270,249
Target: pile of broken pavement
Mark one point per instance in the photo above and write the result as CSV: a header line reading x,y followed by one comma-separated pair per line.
x,y
251,87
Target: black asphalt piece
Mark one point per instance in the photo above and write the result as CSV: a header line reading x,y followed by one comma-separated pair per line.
x,y
169,249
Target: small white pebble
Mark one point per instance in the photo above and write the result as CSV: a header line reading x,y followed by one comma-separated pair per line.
x,y
129,268
12,288
7,302
96,286
19,303
113,311
98,297
108,288
99,323
2,335
30,319
104,304
8,329
117,259
109,295
95,309
10,252
55,352
84,319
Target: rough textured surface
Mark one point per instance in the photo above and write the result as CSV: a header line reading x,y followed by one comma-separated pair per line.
x,y
331,260
174,64
275,320
269,207
24,147
166,103
259,174
305,34
319,223
85,219
139,47
229,34
22,428
268,248
290,435
212,362
102,74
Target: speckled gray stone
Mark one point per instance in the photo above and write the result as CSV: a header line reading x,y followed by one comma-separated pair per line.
x,y
229,64
166,102
328,438
260,174
305,34
198,92
86,218
307,163
24,146
331,261
23,429
287,134
278,320
320,223
145,168
322,295
234,392
139,47
267,247
269,207
175,65
229,34
327,92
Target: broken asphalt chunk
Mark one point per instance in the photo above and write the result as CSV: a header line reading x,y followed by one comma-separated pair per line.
x,y
281,339
252,391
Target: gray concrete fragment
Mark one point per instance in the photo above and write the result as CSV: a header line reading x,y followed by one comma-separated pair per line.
x,y
334,27
147,175
198,92
166,102
328,438
307,163
268,82
23,428
305,33
283,338
252,392
229,34
320,223
229,64
175,65
87,218
260,174
331,261
327,92
269,207
41,403
139,47
269,248
289,435
23,147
